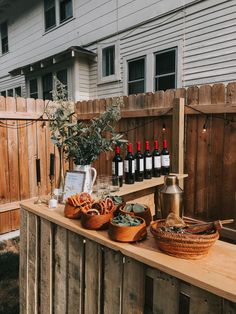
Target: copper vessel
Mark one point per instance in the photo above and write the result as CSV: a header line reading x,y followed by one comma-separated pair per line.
x,y
171,197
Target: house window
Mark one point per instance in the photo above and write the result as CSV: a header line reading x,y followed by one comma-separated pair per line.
x,y
165,71
136,76
4,37
56,12
33,88
3,93
47,86
108,61
18,91
10,92
49,13
65,10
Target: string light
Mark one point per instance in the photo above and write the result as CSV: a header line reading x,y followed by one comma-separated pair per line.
x,y
163,127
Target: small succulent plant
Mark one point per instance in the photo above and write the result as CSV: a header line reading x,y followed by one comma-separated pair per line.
x,y
135,208
126,221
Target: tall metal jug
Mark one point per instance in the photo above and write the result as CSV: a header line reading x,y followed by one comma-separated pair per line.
x,y
171,197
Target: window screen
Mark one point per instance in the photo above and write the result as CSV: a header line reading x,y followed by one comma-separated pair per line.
x,y
165,71
108,61
136,76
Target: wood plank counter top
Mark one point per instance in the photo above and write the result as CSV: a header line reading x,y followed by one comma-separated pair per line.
x,y
215,273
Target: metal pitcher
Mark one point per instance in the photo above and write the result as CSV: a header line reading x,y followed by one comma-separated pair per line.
x,y
171,197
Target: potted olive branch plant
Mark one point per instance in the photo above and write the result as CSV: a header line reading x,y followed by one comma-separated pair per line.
x,y
82,142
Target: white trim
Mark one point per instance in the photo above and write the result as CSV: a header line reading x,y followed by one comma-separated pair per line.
x,y
110,78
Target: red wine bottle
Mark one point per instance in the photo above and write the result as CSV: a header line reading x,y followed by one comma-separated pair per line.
x,y
117,168
156,161
129,166
165,159
139,164
147,162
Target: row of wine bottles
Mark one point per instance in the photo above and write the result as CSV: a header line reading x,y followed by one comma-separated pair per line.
x,y
140,166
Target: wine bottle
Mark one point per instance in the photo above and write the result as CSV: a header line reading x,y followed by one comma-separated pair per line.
x,y
129,166
117,168
156,161
139,164
165,159
147,162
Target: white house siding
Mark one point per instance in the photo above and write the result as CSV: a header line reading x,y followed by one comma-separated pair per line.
x,y
205,34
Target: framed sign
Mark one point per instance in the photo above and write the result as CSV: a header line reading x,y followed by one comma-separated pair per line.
x,y
74,183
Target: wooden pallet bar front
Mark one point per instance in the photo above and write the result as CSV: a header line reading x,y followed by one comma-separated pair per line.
x,y
75,270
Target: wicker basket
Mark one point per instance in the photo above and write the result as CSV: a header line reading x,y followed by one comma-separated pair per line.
x,y
187,246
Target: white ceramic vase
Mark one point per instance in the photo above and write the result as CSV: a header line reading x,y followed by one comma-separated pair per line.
x,y
90,176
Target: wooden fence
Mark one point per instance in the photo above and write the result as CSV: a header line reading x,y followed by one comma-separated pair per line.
x,y
210,158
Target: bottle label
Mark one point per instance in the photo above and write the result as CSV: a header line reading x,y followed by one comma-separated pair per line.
x,y
133,166
141,164
165,160
120,168
148,161
126,166
157,161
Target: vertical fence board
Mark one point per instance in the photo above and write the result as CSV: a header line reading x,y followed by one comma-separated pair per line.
x,y
42,149
60,270
23,151
46,263
112,281
228,177
75,273
13,157
23,261
231,93
92,269
15,219
33,260
4,165
133,287
32,142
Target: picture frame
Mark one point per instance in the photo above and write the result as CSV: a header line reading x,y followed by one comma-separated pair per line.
x,y
74,183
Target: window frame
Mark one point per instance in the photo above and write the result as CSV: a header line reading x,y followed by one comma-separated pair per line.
x,y
169,73
145,70
3,52
110,78
54,70
58,21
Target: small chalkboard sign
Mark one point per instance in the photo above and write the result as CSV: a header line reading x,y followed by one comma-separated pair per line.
x,y
74,183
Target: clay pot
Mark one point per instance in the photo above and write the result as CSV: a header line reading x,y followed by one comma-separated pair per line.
x,y
129,233
146,215
72,212
95,222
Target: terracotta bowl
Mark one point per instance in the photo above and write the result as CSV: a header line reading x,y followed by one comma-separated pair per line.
x,y
146,215
182,245
72,212
96,222
127,234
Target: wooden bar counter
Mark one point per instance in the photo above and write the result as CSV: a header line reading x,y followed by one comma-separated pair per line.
x,y
67,269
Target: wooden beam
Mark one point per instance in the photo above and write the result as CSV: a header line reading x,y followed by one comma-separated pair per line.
x,y
178,137
213,108
160,111
13,115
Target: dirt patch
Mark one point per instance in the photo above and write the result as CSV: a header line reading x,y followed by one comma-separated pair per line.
x,y
9,276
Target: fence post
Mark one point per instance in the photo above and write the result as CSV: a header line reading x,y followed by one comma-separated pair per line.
x,y
178,137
